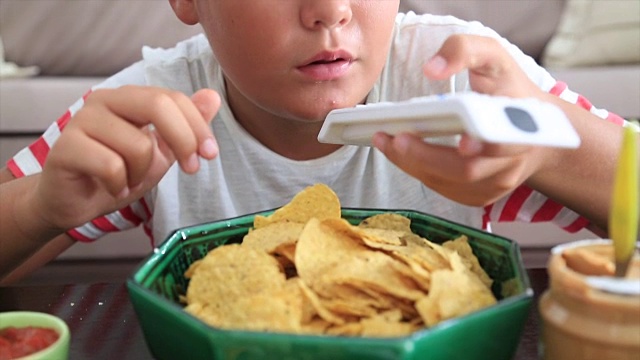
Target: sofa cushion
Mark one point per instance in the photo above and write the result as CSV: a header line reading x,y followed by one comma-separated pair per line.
x,y
596,32
513,20
86,37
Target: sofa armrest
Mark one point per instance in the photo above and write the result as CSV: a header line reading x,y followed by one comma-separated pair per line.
x,y
32,104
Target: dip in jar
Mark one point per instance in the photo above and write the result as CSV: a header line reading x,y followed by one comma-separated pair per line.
x,y
581,320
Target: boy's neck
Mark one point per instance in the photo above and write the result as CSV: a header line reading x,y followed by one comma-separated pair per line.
x,y
293,139
290,139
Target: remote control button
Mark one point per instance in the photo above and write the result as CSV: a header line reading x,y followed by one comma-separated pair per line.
x,y
521,119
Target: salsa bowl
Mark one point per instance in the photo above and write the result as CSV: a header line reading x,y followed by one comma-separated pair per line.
x,y
17,322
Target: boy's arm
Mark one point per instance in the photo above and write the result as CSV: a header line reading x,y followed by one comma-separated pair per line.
x,y
582,180
32,243
106,158
45,254
479,174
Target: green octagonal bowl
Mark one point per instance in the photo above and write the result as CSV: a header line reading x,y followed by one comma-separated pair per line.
x,y
172,333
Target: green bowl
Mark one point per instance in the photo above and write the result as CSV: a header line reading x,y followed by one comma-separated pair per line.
x,y
59,350
172,333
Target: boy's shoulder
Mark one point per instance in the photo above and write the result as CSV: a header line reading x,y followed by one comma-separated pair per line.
x,y
191,48
168,67
434,25
411,17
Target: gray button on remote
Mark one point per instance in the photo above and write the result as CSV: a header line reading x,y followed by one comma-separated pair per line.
x,y
521,119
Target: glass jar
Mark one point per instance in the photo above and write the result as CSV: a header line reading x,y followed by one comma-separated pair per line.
x,y
582,321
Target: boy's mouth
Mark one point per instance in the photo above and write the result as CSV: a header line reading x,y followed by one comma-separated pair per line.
x,y
328,57
320,62
327,65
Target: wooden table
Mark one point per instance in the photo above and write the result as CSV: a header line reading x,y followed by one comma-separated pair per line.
x,y
104,325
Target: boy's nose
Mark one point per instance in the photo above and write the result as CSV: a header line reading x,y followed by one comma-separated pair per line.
x,y
328,14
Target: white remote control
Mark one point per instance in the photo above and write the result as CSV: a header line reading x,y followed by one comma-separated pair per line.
x,y
493,119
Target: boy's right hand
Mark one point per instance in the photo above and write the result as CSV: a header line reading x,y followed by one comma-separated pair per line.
x,y
118,146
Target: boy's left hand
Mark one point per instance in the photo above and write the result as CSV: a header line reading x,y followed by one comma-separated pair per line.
x,y
474,173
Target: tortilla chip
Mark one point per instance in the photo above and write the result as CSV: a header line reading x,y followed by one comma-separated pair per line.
x,y
317,201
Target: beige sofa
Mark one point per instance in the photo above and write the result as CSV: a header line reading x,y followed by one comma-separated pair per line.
x,y
76,43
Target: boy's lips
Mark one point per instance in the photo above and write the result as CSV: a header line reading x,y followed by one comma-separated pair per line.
x,y
327,65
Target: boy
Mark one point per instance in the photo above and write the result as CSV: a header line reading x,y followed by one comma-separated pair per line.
x,y
270,71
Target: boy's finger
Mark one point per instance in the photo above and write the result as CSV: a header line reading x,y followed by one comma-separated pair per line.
x,y
199,124
414,156
469,146
95,161
123,138
492,70
207,102
479,54
172,114
427,161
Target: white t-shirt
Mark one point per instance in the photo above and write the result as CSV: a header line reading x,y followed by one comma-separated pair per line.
x,y
247,177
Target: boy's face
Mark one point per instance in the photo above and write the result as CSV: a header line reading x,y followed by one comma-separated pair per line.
x,y
296,59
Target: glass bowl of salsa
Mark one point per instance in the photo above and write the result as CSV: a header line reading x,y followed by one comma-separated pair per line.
x,y
33,335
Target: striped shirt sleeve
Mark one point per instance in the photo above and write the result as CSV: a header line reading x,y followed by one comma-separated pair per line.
x,y
30,160
528,205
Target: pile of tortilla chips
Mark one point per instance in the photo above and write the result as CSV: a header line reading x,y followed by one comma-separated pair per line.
x,y
305,270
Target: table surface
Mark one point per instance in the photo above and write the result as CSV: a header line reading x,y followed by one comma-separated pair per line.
x,y
104,325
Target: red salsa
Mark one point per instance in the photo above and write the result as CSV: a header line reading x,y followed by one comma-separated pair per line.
x,y
17,342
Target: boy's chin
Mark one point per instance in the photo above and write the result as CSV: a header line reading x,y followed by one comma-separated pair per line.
x,y
316,118
312,116
318,110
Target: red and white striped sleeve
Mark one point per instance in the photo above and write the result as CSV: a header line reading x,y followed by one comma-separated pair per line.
x,y
528,205
30,160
